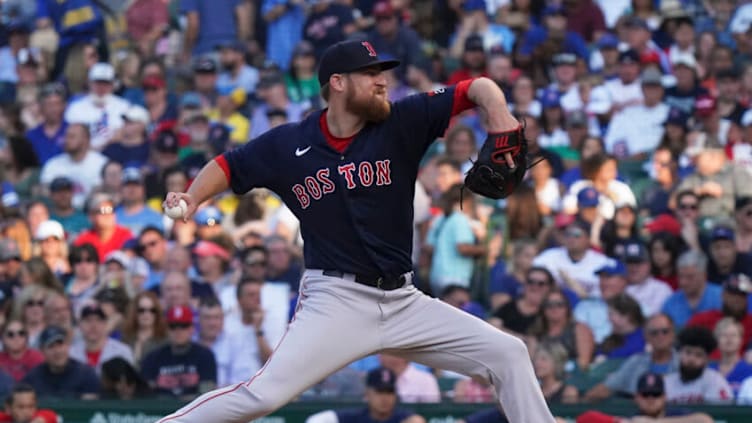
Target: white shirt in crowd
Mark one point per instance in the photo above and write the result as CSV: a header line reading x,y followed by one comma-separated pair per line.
x,y
619,193
650,294
86,174
636,129
414,385
550,195
224,356
104,117
612,93
710,387
557,259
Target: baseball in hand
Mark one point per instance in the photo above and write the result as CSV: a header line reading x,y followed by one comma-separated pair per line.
x,y
177,212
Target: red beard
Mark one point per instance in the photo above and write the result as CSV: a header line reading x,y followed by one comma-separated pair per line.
x,y
372,109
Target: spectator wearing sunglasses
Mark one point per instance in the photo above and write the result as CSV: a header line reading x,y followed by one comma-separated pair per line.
x,y
84,282
660,358
28,306
106,235
652,405
517,316
181,368
17,357
144,328
687,211
555,324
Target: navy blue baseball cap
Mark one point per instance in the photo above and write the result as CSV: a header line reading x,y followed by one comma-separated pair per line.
x,y
208,216
350,56
722,233
588,197
381,379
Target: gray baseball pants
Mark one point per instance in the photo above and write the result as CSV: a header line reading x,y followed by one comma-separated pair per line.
x,y
338,321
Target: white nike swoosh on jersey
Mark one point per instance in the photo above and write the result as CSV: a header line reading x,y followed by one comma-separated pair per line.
x,y
299,152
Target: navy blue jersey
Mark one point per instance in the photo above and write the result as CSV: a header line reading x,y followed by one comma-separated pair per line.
x,y
362,415
355,207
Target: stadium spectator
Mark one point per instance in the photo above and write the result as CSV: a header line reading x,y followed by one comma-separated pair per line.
x,y
381,403
682,95
695,382
734,304
473,60
650,293
235,71
17,357
210,23
95,347
60,376
121,381
508,286
664,179
665,248
272,92
21,406
615,235
574,264
175,290
133,213
327,23
205,81
192,367
725,261
282,266
661,358
391,36
549,361
413,385
129,146
636,130
695,294
28,306
557,325
106,235
48,137
153,248
51,239
652,404
144,328
229,100
211,334
743,227
593,310
517,316
58,310
78,162
729,334
112,180
626,336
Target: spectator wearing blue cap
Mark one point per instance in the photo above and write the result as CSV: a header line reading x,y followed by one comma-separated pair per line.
x,y
604,59
695,293
209,221
553,136
230,99
593,310
212,22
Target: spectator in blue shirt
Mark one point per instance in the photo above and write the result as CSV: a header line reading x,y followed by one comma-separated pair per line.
x,y
284,29
133,212
213,22
47,138
695,294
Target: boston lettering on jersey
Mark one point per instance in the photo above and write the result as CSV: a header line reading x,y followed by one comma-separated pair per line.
x,y
354,204
315,187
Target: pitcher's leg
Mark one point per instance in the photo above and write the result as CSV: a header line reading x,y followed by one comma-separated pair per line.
x,y
325,335
441,336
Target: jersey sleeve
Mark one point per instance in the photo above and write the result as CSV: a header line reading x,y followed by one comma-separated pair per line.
x,y
250,165
424,118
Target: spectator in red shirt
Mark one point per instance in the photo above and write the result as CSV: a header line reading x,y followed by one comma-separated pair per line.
x,y
17,358
21,406
736,288
105,234
473,61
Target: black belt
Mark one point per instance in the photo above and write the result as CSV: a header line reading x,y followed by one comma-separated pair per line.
x,y
387,284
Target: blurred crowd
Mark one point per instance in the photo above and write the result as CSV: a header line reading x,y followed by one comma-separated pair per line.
x,y
626,253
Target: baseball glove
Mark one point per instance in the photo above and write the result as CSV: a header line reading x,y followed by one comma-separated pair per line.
x,y
491,176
